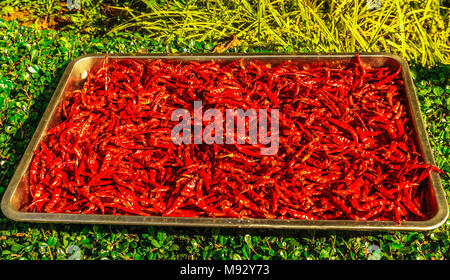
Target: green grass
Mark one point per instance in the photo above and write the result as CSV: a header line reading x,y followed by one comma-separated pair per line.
x,y
416,30
31,63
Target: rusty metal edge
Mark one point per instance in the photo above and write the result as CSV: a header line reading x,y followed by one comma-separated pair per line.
x,y
439,218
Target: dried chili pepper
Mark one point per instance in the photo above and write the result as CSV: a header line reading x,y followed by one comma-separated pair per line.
x,y
347,148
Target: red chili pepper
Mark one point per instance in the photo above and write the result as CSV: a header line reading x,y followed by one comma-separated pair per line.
x,y
346,149
187,191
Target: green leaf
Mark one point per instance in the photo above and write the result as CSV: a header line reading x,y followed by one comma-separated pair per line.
x,y
52,241
406,250
236,257
33,69
246,252
438,90
161,236
16,248
155,243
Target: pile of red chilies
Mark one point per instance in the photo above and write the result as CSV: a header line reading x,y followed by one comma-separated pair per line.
x,y
346,146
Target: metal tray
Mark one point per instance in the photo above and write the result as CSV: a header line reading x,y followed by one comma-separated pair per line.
x,y
436,206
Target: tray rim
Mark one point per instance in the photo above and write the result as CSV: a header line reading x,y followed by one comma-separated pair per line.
x,y
436,221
